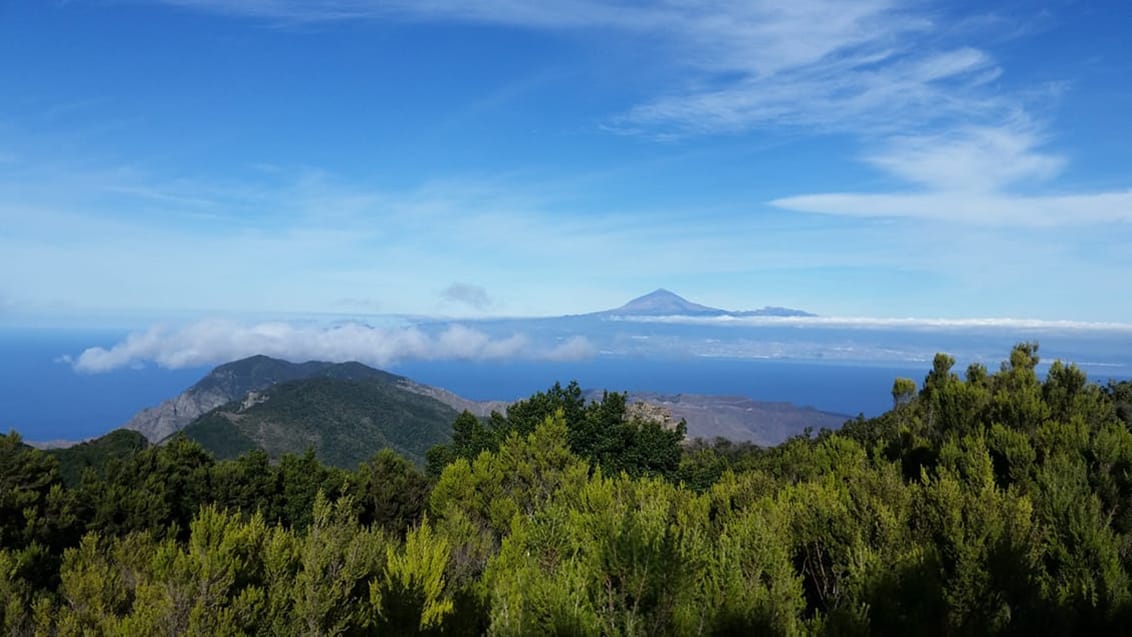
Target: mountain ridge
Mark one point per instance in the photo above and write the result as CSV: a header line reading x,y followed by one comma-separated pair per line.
x,y
344,420
239,386
232,381
663,302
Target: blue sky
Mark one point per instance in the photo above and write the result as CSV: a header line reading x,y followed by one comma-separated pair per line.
x,y
202,158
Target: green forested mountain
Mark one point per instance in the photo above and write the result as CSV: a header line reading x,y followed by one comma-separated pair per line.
x,y
983,503
345,417
116,445
239,377
232,381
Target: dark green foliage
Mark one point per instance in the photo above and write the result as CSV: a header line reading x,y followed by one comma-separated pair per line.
x,y
239,377
29,482
38,518
249,483
1121,396
470,437
703,463
299,481
157,490
390,492
118,444
601,431
216,432
525,415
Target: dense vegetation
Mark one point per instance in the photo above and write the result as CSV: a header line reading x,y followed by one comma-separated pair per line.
x,y
993,503
345,420
118,444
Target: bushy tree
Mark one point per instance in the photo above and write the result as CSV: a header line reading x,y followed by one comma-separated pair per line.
x,y
993,503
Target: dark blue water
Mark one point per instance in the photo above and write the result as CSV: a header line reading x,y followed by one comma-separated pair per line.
x,y
43,398
843,388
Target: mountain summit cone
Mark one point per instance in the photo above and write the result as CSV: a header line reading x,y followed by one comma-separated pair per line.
x,y
662,302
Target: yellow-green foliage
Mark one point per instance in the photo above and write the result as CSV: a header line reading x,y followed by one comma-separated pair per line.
x,y
994,504
411,595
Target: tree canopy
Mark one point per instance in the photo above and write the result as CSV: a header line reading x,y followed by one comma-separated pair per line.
x,y
988,503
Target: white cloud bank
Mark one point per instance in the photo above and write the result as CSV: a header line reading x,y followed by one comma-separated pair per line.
x,y
212,342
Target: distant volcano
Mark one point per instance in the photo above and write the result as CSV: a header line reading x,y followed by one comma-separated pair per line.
x,y
662,302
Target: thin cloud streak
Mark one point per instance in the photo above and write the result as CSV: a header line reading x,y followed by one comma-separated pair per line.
x,y
879,70
884,323
987,209
868,65
972,175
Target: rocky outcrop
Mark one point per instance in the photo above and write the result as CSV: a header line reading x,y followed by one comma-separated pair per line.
x,y
164,420
232,382
481,408
651,413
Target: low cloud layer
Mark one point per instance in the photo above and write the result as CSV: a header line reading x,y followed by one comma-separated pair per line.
x,y
213,342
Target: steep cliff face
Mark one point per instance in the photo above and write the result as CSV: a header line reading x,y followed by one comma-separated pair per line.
x,y
171,416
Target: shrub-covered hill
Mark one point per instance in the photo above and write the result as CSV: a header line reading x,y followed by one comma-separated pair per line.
x,y
345,420
232,381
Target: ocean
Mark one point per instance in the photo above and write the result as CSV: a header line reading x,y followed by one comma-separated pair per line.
x,y
43,398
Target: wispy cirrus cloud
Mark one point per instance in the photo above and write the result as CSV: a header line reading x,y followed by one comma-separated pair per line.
x,y
980,175
876,64
969,158
211,342
897,76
